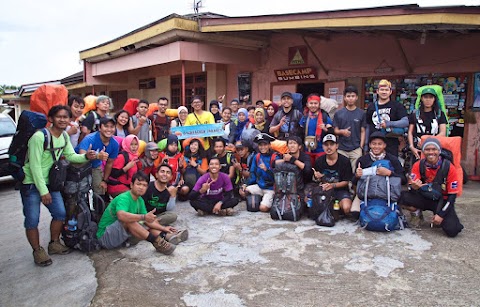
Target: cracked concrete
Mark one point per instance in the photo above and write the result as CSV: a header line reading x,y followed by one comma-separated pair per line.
x,y
251,260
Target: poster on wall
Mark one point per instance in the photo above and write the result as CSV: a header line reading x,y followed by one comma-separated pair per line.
x,y
476,92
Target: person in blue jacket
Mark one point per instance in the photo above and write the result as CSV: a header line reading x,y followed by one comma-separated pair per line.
x,y
261,178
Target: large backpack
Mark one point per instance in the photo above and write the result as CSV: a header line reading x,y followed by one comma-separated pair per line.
x,y
79,198
377,185
287,204
380,214
28,123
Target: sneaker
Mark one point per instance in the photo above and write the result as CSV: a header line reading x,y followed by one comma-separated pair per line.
x,y
222,212
56,247
163,246
201,212
177,237
416,221
229,211
41,258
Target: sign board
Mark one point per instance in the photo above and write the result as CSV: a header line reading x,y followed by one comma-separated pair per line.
x,y
296,74
205,130
297,56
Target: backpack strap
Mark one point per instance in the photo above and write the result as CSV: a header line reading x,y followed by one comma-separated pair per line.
x,y
272,159
49,140
422,170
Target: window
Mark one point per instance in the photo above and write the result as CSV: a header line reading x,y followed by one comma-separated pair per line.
x,y
195,85
144,84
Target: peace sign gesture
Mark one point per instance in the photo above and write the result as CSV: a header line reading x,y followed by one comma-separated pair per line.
x,y
206,186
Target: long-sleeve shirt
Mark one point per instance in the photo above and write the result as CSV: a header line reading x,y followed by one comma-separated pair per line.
x,y
40,161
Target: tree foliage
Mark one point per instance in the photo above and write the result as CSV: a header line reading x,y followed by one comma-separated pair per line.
x,y
5,87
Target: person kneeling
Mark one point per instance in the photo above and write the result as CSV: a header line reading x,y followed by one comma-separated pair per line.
x,y
127,216
433,178
213,192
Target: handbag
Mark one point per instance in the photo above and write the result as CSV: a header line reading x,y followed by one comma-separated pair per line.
x,y
310,140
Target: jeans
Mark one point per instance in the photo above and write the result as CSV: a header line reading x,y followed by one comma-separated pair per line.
x,y
31,200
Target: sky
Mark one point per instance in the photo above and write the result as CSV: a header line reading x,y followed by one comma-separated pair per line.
x,y
41,40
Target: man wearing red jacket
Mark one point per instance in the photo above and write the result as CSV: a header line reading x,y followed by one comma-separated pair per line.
x,y
434,187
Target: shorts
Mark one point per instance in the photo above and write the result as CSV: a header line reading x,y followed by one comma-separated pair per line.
x,y
341,194
31,200
114,236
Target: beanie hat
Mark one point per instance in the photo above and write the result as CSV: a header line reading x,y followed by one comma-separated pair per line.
x,y
432,141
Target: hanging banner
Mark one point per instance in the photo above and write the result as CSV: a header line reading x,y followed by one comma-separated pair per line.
x,y
204,130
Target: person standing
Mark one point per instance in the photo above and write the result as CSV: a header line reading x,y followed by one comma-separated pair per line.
x,y
160,121
35,187
92,122
384,114
139,123
200,117
350,123
286,121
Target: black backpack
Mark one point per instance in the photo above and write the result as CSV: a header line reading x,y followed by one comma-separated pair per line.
x,y
28,123
287,204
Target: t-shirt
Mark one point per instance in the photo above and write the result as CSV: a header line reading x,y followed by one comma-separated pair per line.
x,y
92,121
154,199
97,145
355,119
123,202
226,162
74,137
144,133
340,171
291,126
217,189
452,177
391,111
312,128
204,118
429,125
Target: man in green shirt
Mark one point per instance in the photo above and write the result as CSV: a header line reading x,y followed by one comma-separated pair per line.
x,y
35,187
127,216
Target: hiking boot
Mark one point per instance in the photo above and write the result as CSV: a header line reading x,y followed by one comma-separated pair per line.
x,y
164,247
56,247
201,212
222,212
416,221
229,211
177,237
41,258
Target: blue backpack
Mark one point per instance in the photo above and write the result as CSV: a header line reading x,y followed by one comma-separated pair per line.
x,y
380,214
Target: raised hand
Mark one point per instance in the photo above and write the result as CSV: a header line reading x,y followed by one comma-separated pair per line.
x,y
103,155
150,216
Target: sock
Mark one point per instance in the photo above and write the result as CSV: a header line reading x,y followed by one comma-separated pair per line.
x,y
163,234
151,238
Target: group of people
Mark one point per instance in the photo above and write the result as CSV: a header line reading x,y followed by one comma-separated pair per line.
x,y
216,173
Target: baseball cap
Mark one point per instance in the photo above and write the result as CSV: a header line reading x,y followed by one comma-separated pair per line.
x,y
106,119
240,144
429,90
377,135
287,94
329,137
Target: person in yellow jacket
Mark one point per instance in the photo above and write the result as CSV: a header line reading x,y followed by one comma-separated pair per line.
x,y
35,186
200,117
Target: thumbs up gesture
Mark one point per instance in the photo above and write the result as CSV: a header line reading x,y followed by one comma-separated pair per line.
x,y
150,216
103,155
91,154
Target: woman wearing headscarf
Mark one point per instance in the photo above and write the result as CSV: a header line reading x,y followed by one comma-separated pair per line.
x,y
243,123
124,166
260,123
215,110
272,109
182,117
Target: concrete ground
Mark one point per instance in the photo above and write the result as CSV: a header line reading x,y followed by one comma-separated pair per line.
x,y
251,260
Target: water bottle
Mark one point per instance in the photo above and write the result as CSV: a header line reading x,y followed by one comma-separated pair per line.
x,y
336,210
309,200
72,224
